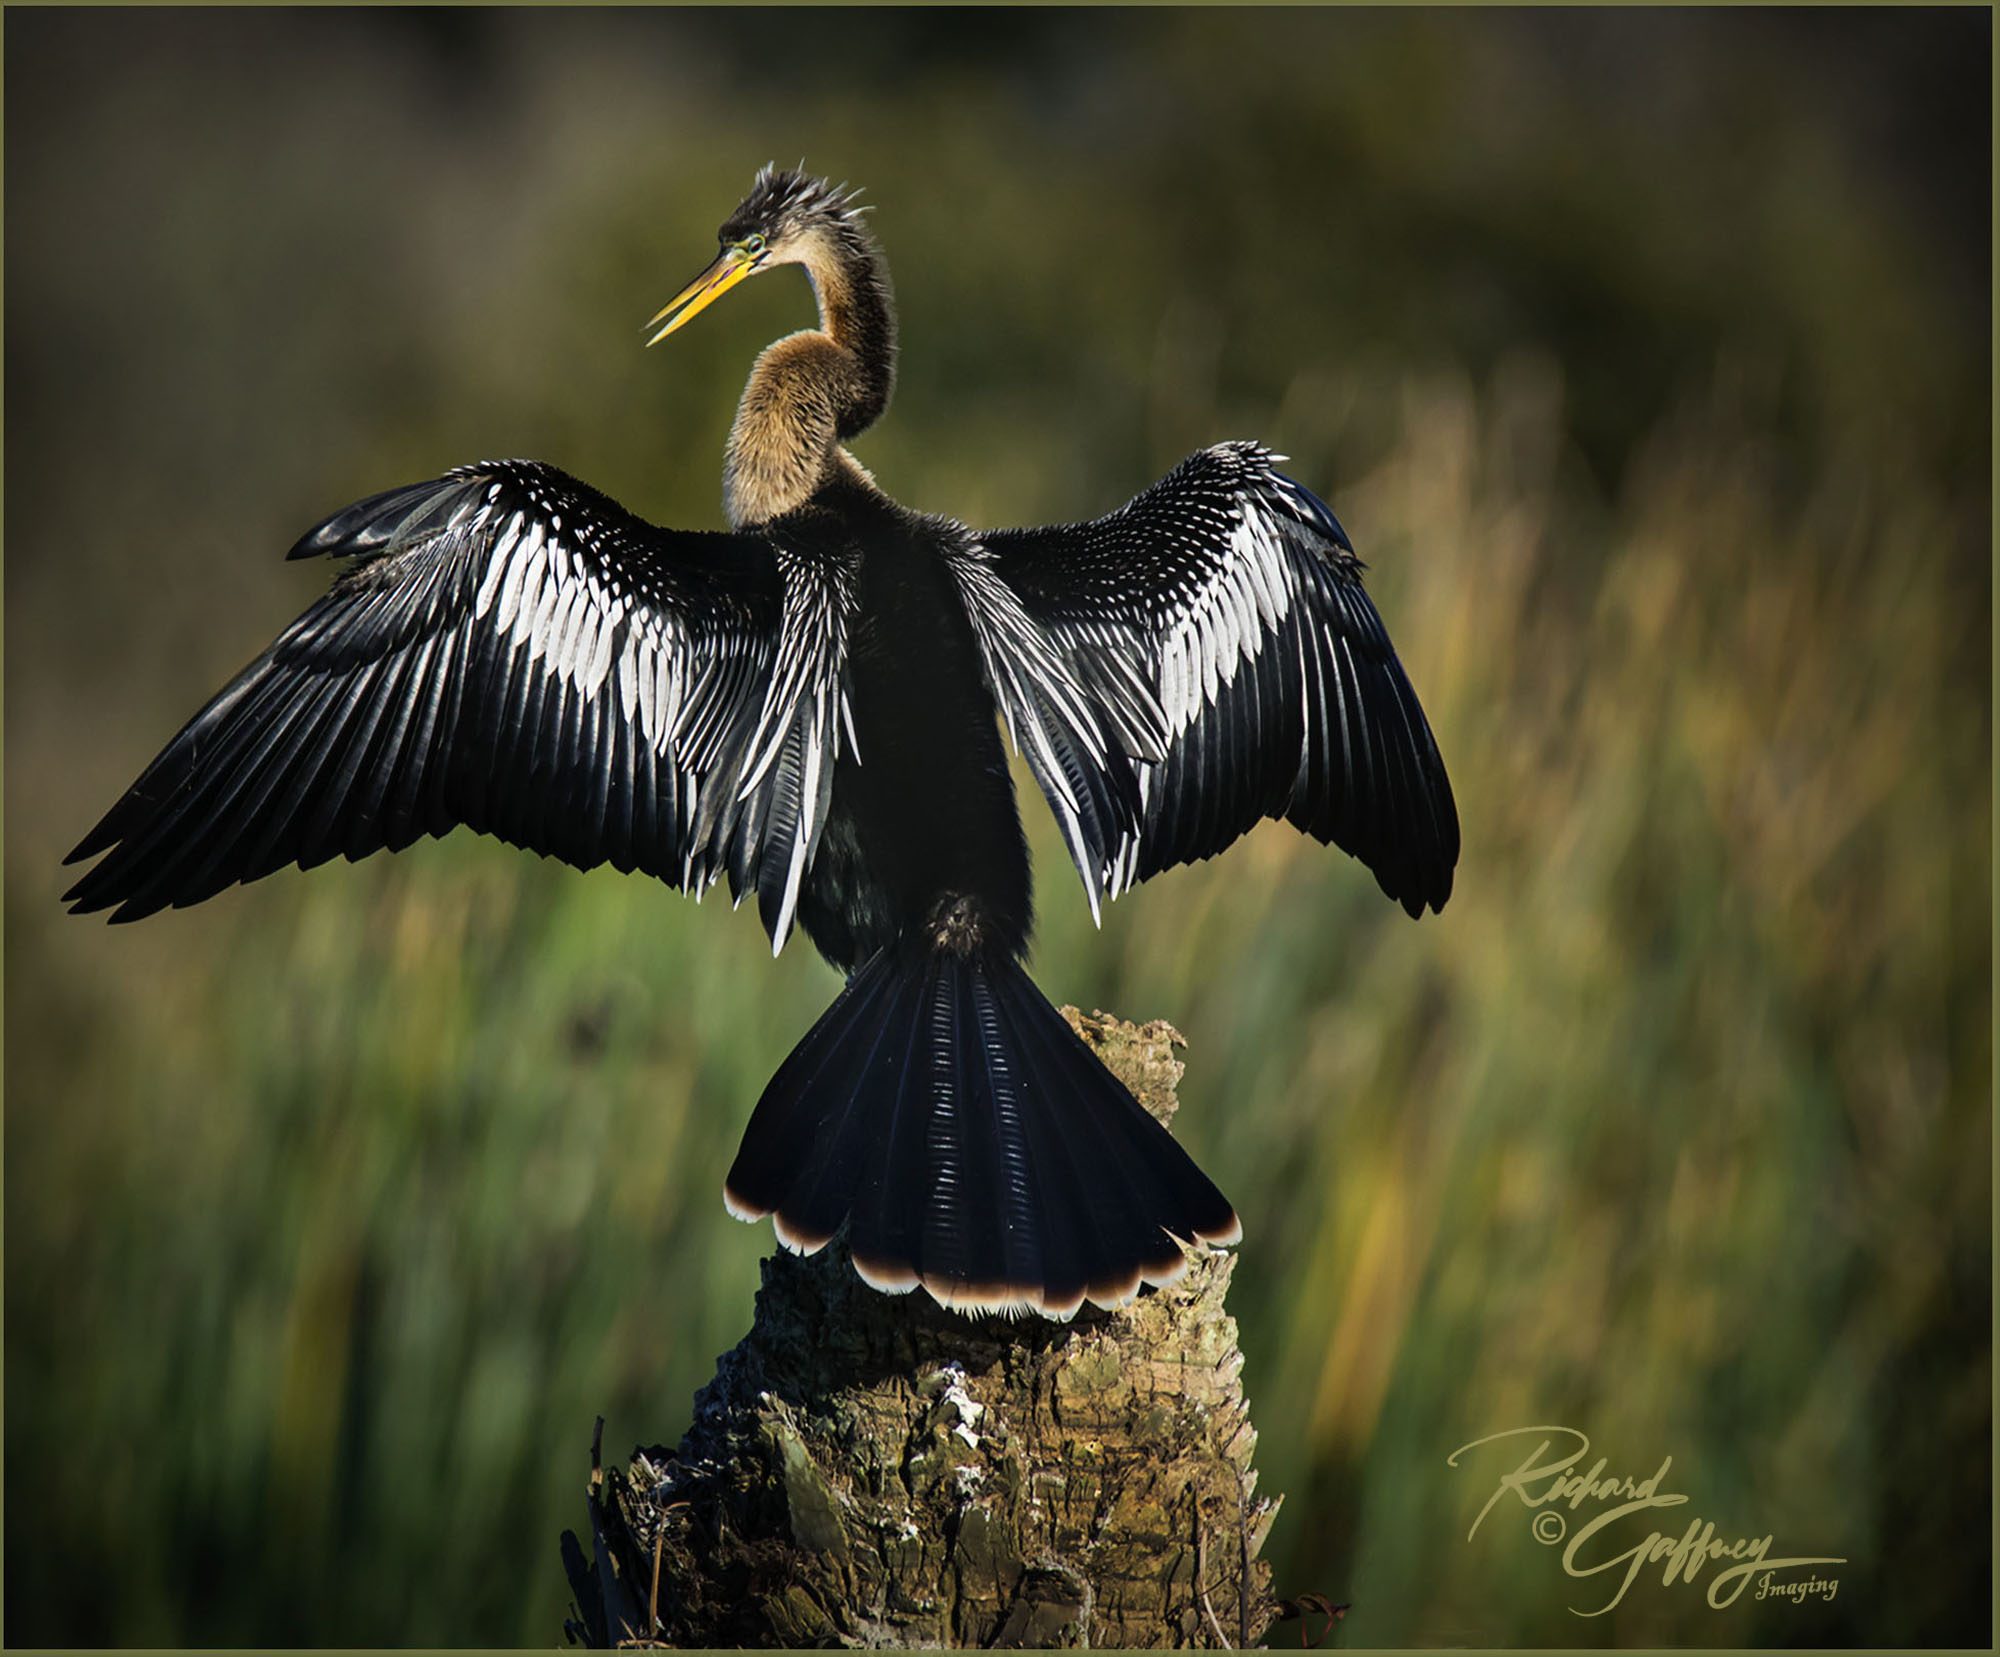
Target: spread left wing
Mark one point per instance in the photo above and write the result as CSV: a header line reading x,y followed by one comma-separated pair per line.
x,y
1203,658
511,650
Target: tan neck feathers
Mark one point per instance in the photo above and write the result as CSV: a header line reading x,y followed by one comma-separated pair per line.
x,y
811,391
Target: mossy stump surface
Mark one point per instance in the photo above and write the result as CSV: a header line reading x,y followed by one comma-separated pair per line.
x,y
872,1470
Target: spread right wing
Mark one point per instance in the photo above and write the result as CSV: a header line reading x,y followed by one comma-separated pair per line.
x,y
512,651
1203,658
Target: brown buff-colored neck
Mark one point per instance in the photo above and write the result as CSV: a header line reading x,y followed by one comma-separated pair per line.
x,y
814,390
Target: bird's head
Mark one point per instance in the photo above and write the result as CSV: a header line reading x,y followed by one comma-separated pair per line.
x,y
788,218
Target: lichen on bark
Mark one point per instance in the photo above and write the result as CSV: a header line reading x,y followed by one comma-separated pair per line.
x,y
872,1470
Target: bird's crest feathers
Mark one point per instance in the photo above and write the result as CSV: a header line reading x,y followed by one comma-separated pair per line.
x,y
783,198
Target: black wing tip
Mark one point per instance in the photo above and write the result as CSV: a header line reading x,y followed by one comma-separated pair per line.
x,y
1417,886
314,543
1416,904
121,913
1419,883
99,890
379,522
106,833
82,897
345,532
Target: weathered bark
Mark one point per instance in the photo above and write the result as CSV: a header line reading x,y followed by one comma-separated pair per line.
x,y
872,1470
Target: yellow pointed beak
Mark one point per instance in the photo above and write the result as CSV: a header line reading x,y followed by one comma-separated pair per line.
x,y
729,269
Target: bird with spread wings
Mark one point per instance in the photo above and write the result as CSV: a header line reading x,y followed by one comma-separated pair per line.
x,y
812,703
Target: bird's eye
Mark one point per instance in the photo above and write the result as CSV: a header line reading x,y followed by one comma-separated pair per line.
x,y
753,244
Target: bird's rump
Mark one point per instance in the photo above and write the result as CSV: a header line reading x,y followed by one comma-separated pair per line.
x,y
512,651
1219,662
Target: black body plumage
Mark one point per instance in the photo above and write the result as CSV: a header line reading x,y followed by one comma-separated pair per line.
x,y
808,705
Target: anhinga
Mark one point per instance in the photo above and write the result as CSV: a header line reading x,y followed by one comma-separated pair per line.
x,y
808,703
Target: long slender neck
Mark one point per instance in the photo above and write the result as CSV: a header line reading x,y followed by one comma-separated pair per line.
x,y
850,279
812,391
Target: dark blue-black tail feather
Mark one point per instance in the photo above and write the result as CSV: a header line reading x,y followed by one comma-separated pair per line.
x,y
971,1143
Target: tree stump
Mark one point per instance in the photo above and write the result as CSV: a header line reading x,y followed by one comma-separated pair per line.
x,y
872,1470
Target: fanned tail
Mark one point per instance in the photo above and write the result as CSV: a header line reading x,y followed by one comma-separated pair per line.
x,y
946,1114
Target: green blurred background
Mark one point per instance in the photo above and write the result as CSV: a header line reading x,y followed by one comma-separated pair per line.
x,y
1646,356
